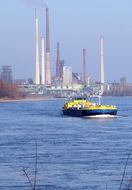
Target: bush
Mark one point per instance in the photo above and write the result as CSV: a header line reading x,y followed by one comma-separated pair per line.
x,y
9,90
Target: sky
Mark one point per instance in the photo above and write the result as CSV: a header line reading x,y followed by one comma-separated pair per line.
x,y
76,24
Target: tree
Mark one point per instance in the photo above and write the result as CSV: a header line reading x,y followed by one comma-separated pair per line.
x,y
25,172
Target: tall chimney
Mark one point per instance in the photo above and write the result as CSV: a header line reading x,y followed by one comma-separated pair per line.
x,y
84,68
58,61
102,63
48,56
37,75
42,62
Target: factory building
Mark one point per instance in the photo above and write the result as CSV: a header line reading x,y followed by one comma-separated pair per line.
x,y
67,76
6,74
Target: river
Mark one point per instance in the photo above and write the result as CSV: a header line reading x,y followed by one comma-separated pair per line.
x,y
73,153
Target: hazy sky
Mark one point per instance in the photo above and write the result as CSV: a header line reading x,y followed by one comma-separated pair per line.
x,y
76,24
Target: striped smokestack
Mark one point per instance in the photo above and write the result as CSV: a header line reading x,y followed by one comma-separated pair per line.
x,y
47,31
84,68
48,56
37,74
42,62
58,61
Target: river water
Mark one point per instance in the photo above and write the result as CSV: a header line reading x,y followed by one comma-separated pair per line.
x,y
73,153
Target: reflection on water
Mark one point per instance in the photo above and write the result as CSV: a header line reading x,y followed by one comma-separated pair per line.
x,y
74,153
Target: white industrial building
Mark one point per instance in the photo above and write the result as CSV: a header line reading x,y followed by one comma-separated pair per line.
x,y
67,76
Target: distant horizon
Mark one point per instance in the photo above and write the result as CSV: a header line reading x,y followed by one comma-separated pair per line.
x,y
76,25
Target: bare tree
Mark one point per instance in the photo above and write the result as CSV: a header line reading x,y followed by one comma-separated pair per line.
x,y
32,183
124,171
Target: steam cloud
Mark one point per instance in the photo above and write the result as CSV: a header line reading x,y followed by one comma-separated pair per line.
x,y
36,3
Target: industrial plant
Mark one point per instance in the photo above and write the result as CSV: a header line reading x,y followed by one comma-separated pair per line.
x,y
65,82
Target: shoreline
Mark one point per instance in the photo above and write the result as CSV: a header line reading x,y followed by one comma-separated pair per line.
x,y
29,98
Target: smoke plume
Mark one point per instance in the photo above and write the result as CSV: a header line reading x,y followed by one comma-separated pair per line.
x,y
35,3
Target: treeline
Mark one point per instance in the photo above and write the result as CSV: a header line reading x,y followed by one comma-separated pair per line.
x,y
10,90
119,90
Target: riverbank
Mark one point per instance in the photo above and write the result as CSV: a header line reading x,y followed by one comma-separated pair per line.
x,y
27,98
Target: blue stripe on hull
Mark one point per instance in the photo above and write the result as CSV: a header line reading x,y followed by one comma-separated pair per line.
x,y
73,112
81,112
99,112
